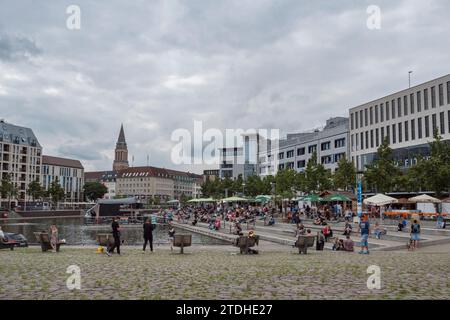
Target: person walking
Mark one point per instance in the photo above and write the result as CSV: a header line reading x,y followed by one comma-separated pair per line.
x,y
320,241
364,227
171,236
415,234
148,234
116,235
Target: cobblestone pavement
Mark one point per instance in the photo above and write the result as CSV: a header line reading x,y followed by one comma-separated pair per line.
x,y
219,273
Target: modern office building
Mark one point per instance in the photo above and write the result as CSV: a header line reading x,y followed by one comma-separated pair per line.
x,y
20,158
293,152
151,182
406,118
211,174
68,172
231,162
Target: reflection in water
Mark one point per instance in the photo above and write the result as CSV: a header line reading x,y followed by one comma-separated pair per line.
x,y
76,232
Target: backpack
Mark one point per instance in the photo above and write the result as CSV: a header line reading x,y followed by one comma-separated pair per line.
x,y
416,228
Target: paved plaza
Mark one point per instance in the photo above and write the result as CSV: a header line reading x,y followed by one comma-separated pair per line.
x,y
218,272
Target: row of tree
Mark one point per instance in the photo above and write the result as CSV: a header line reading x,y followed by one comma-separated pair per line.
x,y
382,175
55,192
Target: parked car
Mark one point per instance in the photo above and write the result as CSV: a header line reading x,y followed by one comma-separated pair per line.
x,y
22,242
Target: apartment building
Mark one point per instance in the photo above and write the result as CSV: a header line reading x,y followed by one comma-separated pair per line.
x,y
165,184
20,158
406,118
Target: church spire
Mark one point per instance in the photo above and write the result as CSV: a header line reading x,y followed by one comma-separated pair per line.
x,y
121,152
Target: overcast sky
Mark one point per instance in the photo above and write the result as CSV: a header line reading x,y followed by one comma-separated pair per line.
x,y
159,65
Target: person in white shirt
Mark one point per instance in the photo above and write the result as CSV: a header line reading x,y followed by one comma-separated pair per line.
x,y
2,235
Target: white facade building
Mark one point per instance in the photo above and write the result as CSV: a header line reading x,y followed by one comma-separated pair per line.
x,y
407,119
293,152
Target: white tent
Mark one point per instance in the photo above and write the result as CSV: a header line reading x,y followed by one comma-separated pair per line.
x,y
380,200
424,199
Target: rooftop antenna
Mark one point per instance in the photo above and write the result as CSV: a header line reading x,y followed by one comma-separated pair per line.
x,y
132,161
148,157
409,78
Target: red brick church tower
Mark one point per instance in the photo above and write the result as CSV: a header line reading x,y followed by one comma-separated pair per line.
x,y
121,152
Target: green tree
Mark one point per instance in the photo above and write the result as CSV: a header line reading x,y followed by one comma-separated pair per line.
x,y
56,192
382,174
35,190
435,170
317,178
345,175
94,190
8,190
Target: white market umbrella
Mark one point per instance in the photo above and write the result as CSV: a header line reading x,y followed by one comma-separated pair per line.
x,y
424,199
380,200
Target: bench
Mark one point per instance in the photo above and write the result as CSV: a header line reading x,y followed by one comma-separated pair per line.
x,y
303,242
44,239
245,243
105,240
182,240
8,244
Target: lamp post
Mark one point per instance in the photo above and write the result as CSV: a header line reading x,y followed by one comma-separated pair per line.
x,y
243,189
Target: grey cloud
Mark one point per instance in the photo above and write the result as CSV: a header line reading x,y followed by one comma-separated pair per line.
x,y
16,47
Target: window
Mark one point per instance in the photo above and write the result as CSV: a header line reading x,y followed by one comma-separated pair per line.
x,y
382,134
405,105
441,95
434,123
362,140
356,120
301,164
290,154
448,92
352,141
448,120
367,139
442,122
427,126
339,156
376,114
325,146
387,110
425,99
371,138
433,97
394,135
371,115
377,137
400,137
406,130
351,121
281,166
419,101
411,102
413,129
399,107
357,141
366,119
300,151
326,159
290,165
360,118
381,112
312,148
281,155
393,109
339,143
388,134
419,128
